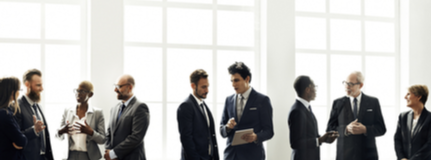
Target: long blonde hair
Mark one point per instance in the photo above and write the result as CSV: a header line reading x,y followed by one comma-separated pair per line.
x,y
9,86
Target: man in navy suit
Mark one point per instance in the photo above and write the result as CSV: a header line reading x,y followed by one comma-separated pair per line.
x,y
358,119
195,122
304,136
246,109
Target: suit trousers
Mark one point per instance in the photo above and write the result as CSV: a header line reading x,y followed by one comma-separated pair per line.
x,y
77,155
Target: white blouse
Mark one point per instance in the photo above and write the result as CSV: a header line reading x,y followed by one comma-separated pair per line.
x,y
78,138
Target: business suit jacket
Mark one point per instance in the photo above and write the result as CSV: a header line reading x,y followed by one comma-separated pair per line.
x,y
357,147
95,120
257,114
303,133
126,136
25,121
418,145
10,133
195,134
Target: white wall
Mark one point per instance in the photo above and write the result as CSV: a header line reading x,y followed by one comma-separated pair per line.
x,y
420,44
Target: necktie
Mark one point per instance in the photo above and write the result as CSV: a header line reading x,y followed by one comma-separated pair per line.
x,y
204,113
240,107
355,108
42,135
310,109
121,111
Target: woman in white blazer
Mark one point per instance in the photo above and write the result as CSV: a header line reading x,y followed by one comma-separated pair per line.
x,y
84,126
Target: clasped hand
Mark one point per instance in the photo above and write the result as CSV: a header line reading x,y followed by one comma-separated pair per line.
x,y
356,128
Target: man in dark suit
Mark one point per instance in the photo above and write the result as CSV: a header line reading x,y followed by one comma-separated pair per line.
x,y
195,122
358,119
244,110
32,120
128,124
304,137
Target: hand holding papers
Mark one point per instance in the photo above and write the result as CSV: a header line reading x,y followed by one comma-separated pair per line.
x,y
241,137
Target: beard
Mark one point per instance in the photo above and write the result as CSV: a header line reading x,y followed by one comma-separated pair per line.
x,y
120,96
202,96
34,96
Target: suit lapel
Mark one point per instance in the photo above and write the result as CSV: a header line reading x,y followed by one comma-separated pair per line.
x,y
362,110
125,112
409,123
89,117
234,108
420,122
196,106
347,110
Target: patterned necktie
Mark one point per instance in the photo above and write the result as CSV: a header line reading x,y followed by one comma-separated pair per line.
x,y
355,108
42,135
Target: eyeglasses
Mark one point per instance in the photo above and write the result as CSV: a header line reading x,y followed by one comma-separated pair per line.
x,y
77,91
120,86
349,83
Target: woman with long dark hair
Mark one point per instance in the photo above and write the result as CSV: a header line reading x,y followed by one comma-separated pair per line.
x,y
12,140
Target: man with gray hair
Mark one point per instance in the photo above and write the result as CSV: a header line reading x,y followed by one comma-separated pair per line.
x,y
358,119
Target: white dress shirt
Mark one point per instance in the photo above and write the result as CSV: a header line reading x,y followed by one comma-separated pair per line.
x,y
245,96
205,112
79,139
358,102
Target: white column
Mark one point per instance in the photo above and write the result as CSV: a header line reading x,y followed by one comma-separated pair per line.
x,y
420,44
280,73
106,30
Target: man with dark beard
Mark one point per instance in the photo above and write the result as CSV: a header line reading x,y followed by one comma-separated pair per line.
x,y
195,122
32,120
128,124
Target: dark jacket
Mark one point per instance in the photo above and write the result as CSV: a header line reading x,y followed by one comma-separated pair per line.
x,y
418,145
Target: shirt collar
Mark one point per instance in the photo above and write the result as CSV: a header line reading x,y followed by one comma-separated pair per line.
x,y
198,100
245,94
304,102
128,101
31,102
358,97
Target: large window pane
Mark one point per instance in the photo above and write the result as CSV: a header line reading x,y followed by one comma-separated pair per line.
x,y
340,68
382,8
62,21
380,79
235,28
20,20
345,6
345,35
311,33
153,137
53,114
62,73
143,24
314,66
181,63
379,36
145,65
173,143
310,5
385,143
224,60
18,58
189,26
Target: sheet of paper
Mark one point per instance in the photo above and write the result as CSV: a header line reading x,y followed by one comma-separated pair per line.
x,y
237,140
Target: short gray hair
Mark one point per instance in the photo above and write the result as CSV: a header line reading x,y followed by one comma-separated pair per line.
x,y
359,75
